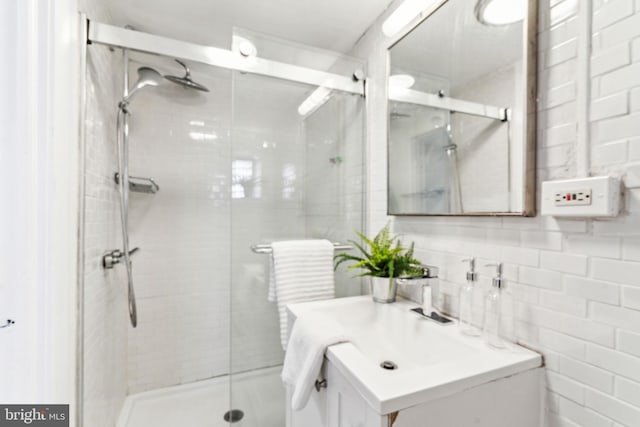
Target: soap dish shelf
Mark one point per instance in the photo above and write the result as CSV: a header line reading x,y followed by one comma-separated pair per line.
x,y
138,184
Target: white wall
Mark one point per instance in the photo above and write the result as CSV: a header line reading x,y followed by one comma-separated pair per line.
x,y
572,284
39,166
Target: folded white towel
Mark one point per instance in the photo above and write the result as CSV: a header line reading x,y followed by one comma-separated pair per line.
x,y
301,270
312,333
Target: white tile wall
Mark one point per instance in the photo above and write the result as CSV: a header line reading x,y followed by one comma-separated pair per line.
x,y
333,189
105,294
181,139
574,283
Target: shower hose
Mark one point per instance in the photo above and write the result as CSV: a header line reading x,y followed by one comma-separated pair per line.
x,y
122,126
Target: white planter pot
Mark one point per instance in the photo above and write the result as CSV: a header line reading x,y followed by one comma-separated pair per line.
x,y
383,289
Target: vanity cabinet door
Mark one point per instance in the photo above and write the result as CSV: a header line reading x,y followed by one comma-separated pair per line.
x,y
345,406
312,415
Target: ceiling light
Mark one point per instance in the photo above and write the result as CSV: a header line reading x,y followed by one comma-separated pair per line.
x,y
403,81
500,12
403,15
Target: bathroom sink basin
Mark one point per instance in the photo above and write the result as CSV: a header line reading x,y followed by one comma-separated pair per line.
x,y
432,360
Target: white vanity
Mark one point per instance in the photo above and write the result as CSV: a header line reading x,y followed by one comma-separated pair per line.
x,y
443,378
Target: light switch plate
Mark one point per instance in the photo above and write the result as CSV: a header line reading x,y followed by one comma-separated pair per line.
x,y
581,197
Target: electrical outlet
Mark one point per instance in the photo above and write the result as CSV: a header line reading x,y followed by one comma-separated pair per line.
x,y
573,197
581,197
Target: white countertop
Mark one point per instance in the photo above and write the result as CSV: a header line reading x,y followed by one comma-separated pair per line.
x,y
433,360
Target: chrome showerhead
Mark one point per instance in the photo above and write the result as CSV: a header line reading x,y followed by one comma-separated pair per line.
x,y
185,80
147,76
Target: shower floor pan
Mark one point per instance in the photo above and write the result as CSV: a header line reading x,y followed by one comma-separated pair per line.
x,y
258,394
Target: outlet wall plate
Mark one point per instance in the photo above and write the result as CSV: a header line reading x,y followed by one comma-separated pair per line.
x,y
581,197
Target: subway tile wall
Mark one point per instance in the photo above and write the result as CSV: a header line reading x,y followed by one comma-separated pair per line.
x,y
573,285
181,139
333,193
105,295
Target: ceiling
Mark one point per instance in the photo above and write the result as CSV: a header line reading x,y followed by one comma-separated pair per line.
x,y
335,25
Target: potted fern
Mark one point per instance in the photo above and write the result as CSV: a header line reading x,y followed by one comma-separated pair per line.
x,y
383,260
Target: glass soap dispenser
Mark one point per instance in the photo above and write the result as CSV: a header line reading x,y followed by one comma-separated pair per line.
x,y
467,301
493,308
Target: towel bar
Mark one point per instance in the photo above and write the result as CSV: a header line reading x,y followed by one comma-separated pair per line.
x,y
266,249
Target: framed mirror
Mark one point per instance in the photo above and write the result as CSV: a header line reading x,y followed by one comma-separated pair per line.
x,y
461,111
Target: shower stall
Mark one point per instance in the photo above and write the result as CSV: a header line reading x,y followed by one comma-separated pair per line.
x,y
187,182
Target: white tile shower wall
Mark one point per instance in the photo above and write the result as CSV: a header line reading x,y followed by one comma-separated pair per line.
x,y
572,284
105,294
333,181
267,133
277,214
180,138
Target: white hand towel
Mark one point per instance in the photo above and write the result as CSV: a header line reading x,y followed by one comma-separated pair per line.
x,y
301,270
312,333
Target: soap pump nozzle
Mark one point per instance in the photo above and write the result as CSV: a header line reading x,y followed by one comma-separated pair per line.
x,y
472,276
468,300
498,281
493,308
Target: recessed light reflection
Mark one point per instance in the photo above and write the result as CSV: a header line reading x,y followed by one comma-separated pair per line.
x,y
203,136
403,15
314,101
402,81
500,12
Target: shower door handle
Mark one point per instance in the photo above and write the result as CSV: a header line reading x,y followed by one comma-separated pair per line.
x,y
111,258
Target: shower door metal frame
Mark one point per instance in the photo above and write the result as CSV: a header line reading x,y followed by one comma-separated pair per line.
x,y
450,104
111,35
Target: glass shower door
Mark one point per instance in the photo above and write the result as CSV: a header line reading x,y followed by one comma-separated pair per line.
x,y
294,176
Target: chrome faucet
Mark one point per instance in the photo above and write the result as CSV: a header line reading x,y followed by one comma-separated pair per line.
x,y
420,284
429,291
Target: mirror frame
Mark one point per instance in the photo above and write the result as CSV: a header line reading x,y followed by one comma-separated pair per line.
x,y
529,91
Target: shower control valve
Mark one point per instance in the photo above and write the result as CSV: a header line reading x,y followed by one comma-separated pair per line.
x,y
111,258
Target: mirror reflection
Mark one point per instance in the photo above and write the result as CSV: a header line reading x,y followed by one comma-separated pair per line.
x,y
458,113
